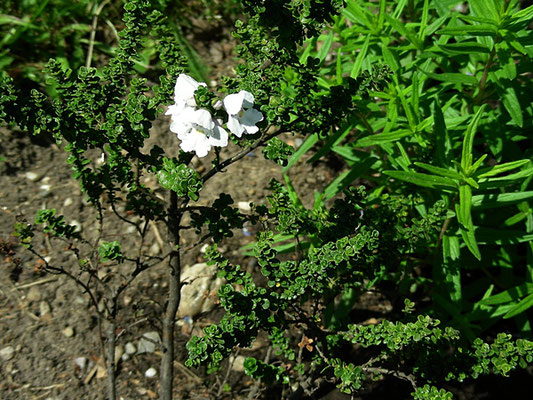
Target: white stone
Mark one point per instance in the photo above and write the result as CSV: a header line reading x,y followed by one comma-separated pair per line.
x,y
198,293
81,362
7,353
44,308
34,294
237,363
150,373
130,348
68,331
148,342
32,176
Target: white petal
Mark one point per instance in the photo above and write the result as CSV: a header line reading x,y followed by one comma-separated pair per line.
x,y
203,118
218,105
174,109
185,88
218,137
235,126
196,141
248,99
251,117
233,103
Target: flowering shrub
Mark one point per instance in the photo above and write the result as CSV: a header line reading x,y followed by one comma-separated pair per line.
x,y
303,303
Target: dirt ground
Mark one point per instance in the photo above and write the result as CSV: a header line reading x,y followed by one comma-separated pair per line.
x,y
50,338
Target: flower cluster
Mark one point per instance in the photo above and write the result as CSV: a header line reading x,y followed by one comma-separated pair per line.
x,y
196,127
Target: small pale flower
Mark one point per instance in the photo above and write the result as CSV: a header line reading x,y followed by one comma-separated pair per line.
x,y
198,131
241,116
184,93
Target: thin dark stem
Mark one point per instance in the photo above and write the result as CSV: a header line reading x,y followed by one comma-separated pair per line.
x,y
397,374
167,373
111,344
262,140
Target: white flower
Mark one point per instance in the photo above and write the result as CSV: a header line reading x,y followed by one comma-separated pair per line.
x,y
241,116
197,130
184,93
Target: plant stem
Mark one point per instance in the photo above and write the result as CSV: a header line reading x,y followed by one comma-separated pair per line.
x,y
111,343
167,372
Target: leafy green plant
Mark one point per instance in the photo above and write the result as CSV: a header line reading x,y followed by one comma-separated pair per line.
x,y
451,125
302,297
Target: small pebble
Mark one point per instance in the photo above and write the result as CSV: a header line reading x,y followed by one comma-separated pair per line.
x,y
148,342
45,189
81,362
127,300
68,201
130,348
237,363
7,353
150,373
68,331
32,176
154,249
34,294
119,351
44,308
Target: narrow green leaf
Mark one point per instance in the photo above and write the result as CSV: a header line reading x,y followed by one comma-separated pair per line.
x,y
415,96
357,14
382,138
465,204
324,49
451,266
404,31
304,147
521,307
381,15
424,21
452,77
464,218
389,58
360,58
463,48
311,44
512,105
509,295
347,177
499,200
525,14
292,192
338,68
478,163
468,142
515,219
449,173
399,9
485,8
424,180
469,30
334,139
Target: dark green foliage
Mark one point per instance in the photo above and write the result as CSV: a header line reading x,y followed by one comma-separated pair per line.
x,y
110,251
421,107
278,151
181,179
54,225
